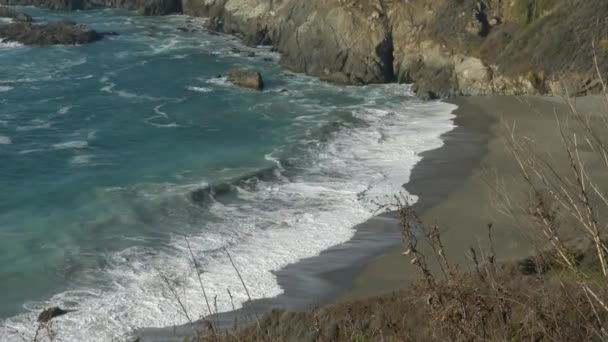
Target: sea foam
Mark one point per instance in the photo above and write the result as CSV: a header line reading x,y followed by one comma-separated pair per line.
x,y
76,144
199,89
275,222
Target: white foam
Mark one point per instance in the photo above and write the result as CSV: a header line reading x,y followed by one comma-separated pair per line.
x,y
199,89
70,63
35,125
5,88
64,110
4,140
76,144
277,224
160,115
33,150
9,45
171,44
81,160
110,88
183,56
220,81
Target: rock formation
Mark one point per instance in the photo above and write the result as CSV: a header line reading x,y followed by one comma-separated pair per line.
x,y
247,79
444,47
48,314
62,32
6,12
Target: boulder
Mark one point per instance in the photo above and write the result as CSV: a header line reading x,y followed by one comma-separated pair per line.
x,y
62,32
48,314
247,79
6,12
473,77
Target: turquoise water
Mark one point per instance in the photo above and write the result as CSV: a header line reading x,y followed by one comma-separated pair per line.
x,y
111,153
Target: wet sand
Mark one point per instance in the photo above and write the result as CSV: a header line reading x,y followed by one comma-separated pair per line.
x,y
452,183
325,278
465,212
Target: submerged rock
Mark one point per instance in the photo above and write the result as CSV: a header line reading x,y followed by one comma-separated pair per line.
x,y
247,79
6,12
62,32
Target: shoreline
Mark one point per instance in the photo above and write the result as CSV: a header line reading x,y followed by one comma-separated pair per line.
x,y
441,172
452,185
331,276
463,216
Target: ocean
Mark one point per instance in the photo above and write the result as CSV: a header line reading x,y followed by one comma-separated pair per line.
x,y
115,156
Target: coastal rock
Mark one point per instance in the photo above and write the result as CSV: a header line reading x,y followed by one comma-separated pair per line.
x,y
473,77
444,47
50,4
6,12
247,79
145,7
62,32
372,41
317,37
48,314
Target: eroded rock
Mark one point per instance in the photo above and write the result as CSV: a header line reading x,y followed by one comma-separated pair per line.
x,y
62,32
246,78
48,314
6,12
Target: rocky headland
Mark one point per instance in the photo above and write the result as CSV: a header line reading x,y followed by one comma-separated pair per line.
x,y
57,33
444,47
24,30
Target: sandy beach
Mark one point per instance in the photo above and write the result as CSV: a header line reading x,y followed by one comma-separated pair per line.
x,y
465,212
456,185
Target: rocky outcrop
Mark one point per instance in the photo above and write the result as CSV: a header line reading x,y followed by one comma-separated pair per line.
x,y
444,47
48,314
146,7
247,79
63,32
339,43
6,12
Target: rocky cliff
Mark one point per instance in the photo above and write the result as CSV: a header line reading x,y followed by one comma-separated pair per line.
x,y
444,47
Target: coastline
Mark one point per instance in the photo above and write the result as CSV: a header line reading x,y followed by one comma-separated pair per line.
x,y
464,214
452,182
330,276
441,172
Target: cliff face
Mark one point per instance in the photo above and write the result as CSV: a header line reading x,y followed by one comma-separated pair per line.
x,y
322,38
445,47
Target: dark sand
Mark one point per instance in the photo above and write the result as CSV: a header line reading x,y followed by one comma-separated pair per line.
x,y
452,185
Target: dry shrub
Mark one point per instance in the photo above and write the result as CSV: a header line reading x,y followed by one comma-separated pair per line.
x,y
559,294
